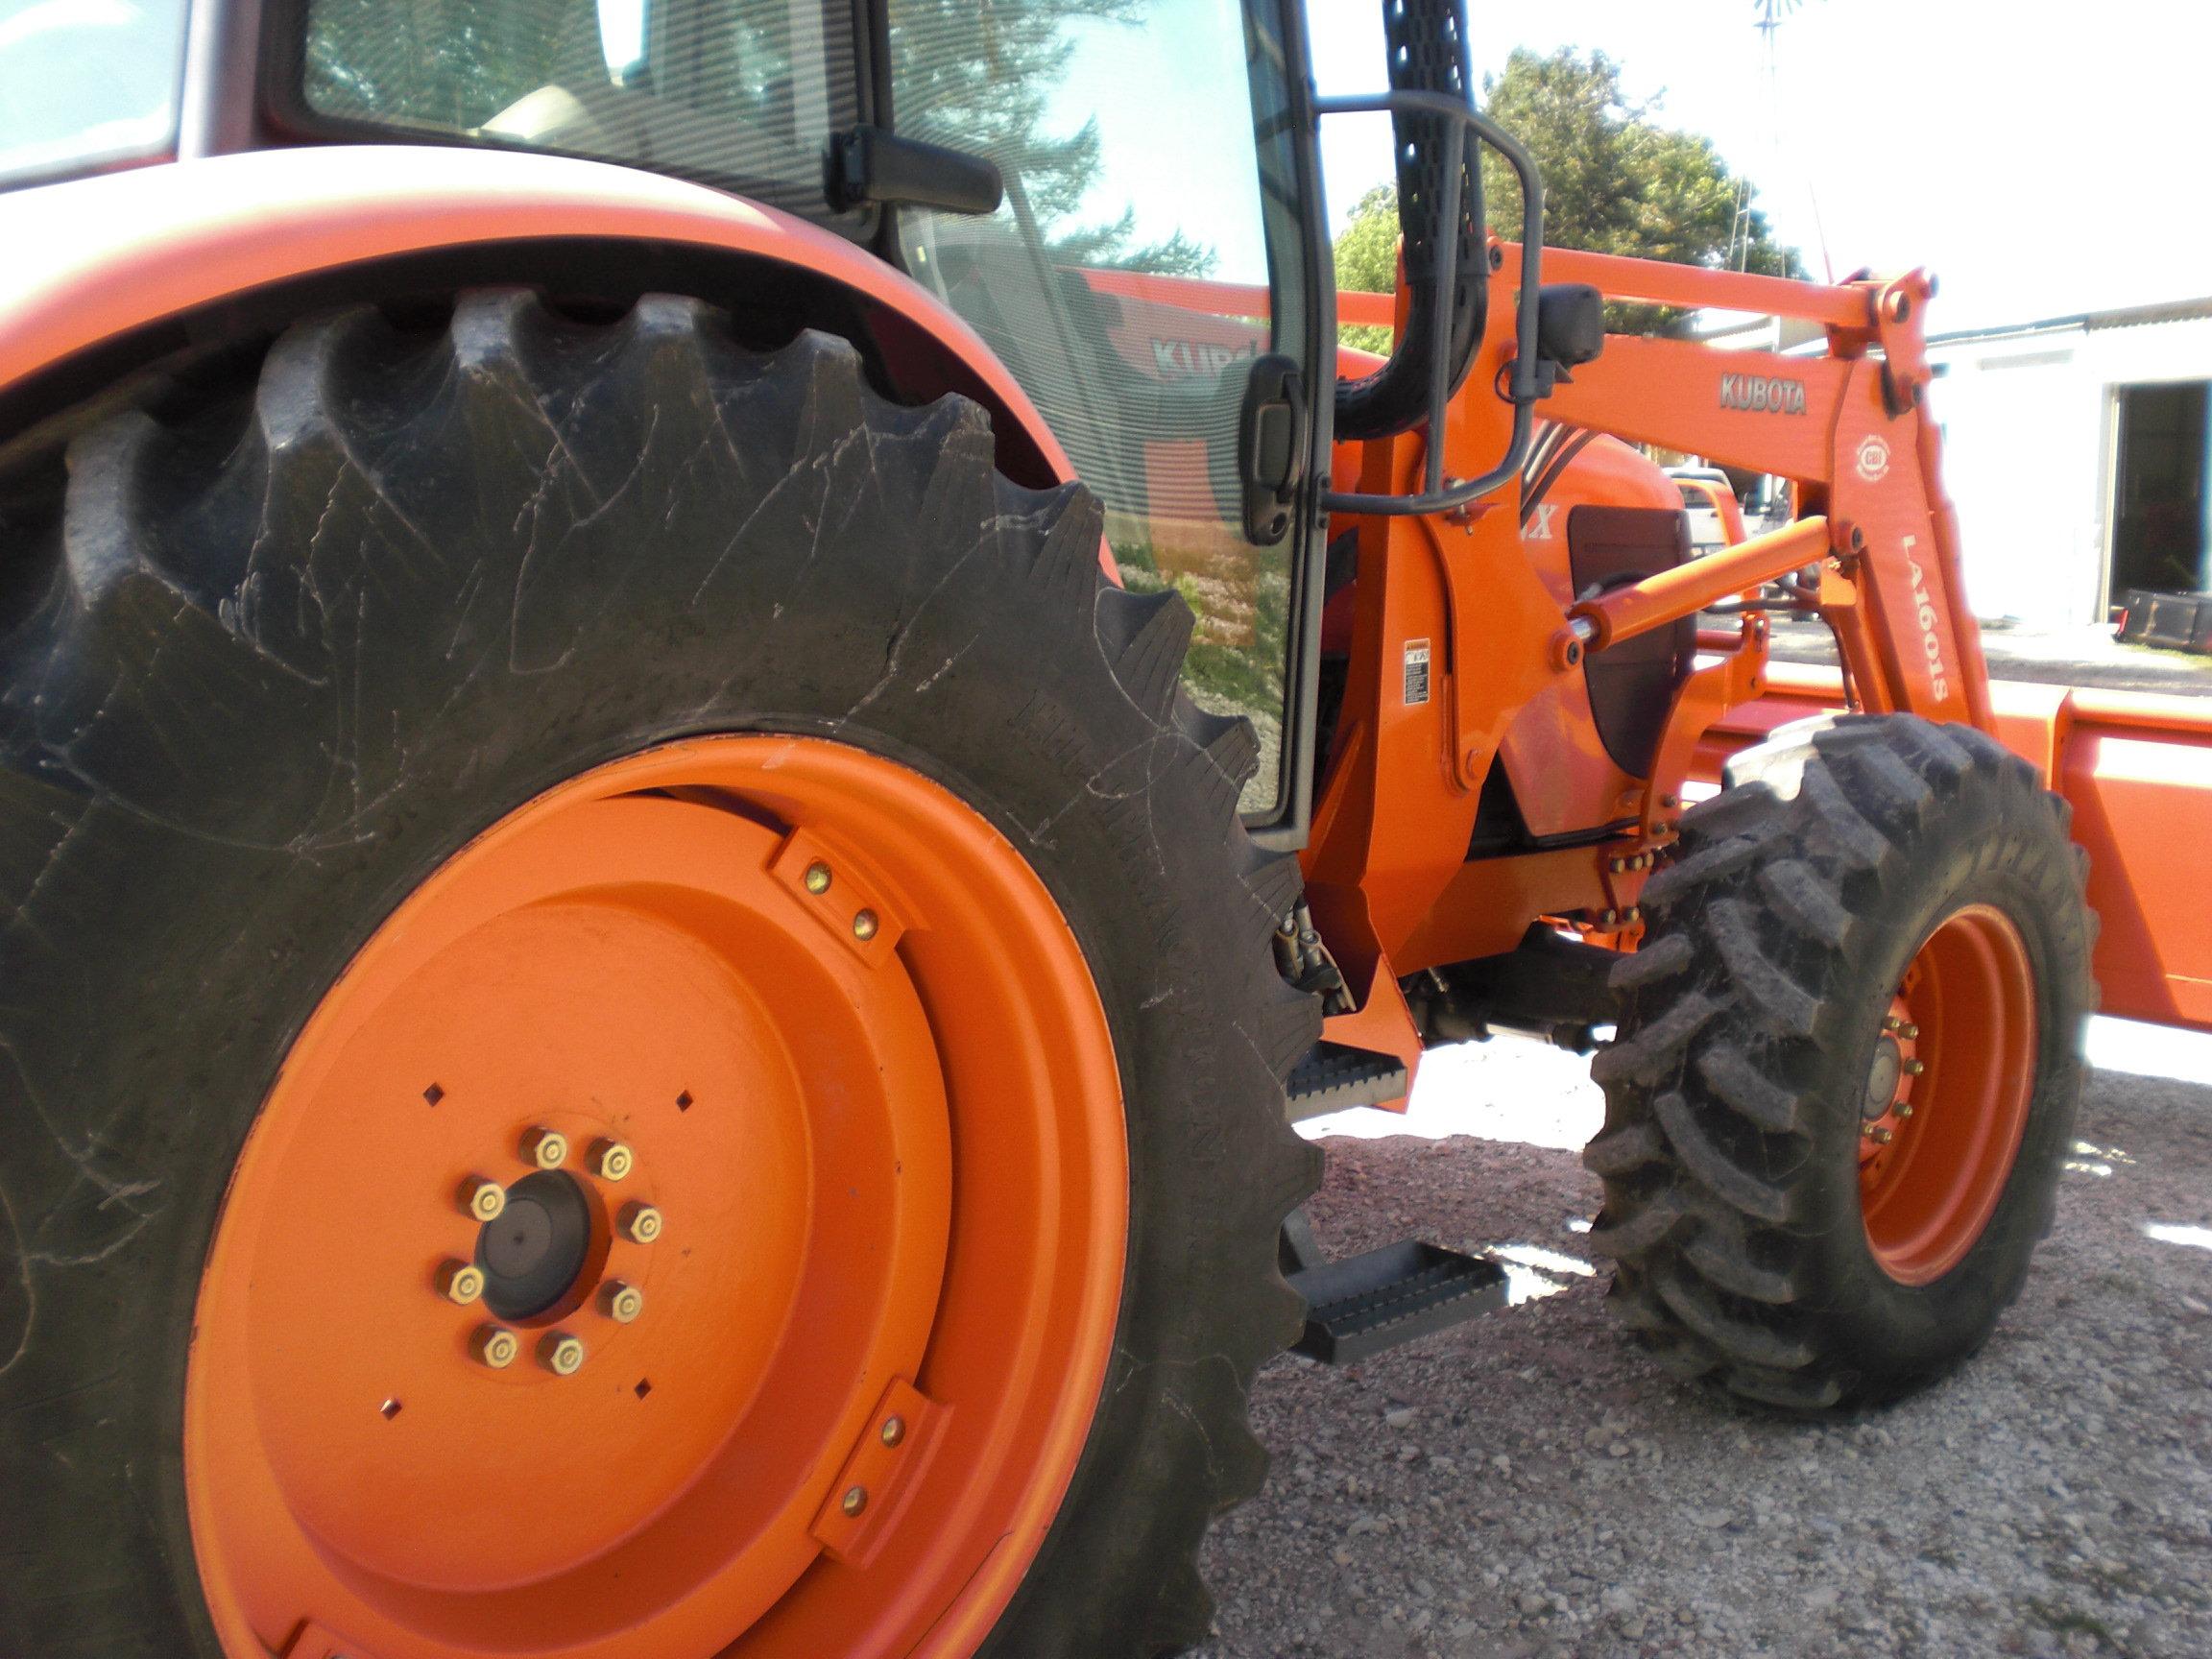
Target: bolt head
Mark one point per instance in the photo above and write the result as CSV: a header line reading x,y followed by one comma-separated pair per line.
x,y
547,1148
561,1354
495,1346
1904,1109
864,925
1879,1136
818,876
1909,1031
855,1500
640,1223
1914,1068
893,1431
611,1159
483,1200
461,1282
620,1302
1890,1022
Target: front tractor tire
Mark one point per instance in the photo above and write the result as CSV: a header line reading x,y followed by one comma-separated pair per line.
x,y
1847,1064
636,1019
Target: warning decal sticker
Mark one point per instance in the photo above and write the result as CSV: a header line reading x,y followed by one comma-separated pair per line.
x,y
1416,672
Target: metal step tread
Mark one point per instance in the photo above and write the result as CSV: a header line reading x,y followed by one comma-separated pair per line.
x,y
1336,1075
1367,1303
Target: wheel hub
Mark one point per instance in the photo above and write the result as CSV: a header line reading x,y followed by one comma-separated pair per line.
x,y
534,1252
1947,1094
723,1281
1881,1079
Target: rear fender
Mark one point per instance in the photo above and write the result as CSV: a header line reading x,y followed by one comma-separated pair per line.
x,y
111,276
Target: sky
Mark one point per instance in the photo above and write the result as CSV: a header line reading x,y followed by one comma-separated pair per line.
x,y
2040,159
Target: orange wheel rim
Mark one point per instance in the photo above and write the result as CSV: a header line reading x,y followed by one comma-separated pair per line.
x,y
802,1114
1947,1099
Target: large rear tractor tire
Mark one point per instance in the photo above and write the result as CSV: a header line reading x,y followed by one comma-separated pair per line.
x,y
635,1022
1848,1063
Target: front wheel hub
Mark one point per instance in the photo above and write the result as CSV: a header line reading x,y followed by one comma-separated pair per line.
x,y
1947,1095
782,1110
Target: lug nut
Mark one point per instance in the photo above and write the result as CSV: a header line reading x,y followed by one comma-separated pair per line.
x,y
561,1354
620,1302
483,1200
496,1347
612,1161
864,925
855,1500
1879,1136
547,1148
1890,1022
640,1223
1914,1068
1909,1031
461,1282
1904,1109
817,877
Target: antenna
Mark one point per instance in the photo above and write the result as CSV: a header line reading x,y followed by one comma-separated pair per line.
x,y
1769,14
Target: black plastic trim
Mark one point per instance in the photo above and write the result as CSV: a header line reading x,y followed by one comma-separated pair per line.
x,y
1289,827
871,166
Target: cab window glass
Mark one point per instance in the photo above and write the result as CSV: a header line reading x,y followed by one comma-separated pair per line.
x,y
86,84
1142,258
742,92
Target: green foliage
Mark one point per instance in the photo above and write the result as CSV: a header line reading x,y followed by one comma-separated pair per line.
x,y
441,65
985,79
1614,182
1367,261
978,80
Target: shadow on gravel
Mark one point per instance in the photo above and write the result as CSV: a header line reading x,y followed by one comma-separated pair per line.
x,y
1529,1484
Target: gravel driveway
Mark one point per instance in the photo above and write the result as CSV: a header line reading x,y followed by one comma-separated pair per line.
x,y
1529,1484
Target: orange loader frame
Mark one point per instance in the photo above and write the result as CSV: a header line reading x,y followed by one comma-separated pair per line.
x,y
1463,595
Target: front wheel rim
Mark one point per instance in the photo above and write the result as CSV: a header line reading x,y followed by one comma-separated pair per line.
x,y
804,1118
1954,1076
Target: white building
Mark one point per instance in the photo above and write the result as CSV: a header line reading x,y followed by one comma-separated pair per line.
x,y
2077,450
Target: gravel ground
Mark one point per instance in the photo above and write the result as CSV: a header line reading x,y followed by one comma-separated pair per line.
x,y
1529,1485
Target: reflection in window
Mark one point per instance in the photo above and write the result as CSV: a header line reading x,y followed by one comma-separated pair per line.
x,y
1125,281
739,91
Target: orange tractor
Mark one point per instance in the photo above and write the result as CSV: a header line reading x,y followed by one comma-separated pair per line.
x,y
712,710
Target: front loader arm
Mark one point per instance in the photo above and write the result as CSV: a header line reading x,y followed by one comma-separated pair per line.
x,y
1848,430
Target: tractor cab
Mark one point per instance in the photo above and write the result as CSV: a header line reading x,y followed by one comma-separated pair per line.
x,y
1120,197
